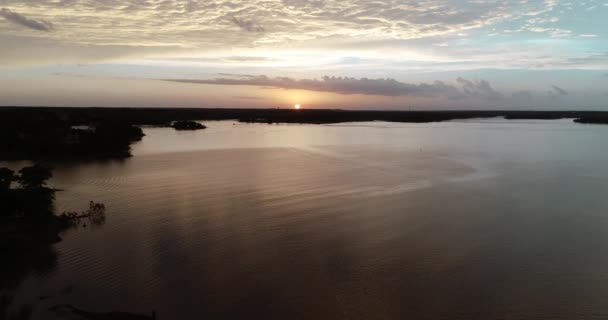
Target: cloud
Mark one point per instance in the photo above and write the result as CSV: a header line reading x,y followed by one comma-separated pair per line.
x,y
247,25
479,88
340,85
559,90
204,23
345,85
291,29
16,18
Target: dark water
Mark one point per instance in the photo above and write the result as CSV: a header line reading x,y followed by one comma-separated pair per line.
x,y
486,219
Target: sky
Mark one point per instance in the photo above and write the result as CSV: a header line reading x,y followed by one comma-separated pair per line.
x,y
346,54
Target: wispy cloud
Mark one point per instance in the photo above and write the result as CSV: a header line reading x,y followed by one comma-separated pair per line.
x,y
248,59
559,90
208,22
19,19
436,30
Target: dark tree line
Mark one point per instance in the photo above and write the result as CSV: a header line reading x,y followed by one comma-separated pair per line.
x,y
44,135
25,196
41,133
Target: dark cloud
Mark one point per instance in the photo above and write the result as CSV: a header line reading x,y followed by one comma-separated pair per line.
x,y
236,75
16,18
346,85
191,6
247,25
479,88
341,85
559,90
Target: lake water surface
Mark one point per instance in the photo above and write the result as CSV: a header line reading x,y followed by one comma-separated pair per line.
x,y
477,219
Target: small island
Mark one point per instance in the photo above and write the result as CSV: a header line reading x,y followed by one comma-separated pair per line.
x,y
187,125
594,119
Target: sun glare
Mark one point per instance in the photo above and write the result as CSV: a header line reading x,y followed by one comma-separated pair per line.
x,y
297,106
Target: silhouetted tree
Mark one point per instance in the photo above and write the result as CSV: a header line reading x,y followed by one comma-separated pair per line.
x,y
7,198
6,178
34,177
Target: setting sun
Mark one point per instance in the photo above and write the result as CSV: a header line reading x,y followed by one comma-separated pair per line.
x,y
297,106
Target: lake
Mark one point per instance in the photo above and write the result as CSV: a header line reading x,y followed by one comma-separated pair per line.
x,y
476,219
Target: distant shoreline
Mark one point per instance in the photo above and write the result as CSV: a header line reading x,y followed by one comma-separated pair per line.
x,y
42,133
164,116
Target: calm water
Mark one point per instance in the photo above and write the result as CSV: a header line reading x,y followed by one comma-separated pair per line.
x,y
478,219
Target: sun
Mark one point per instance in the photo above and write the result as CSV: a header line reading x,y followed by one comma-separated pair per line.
x,y
297,106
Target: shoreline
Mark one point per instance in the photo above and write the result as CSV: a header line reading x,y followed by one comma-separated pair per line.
x,y
164,116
